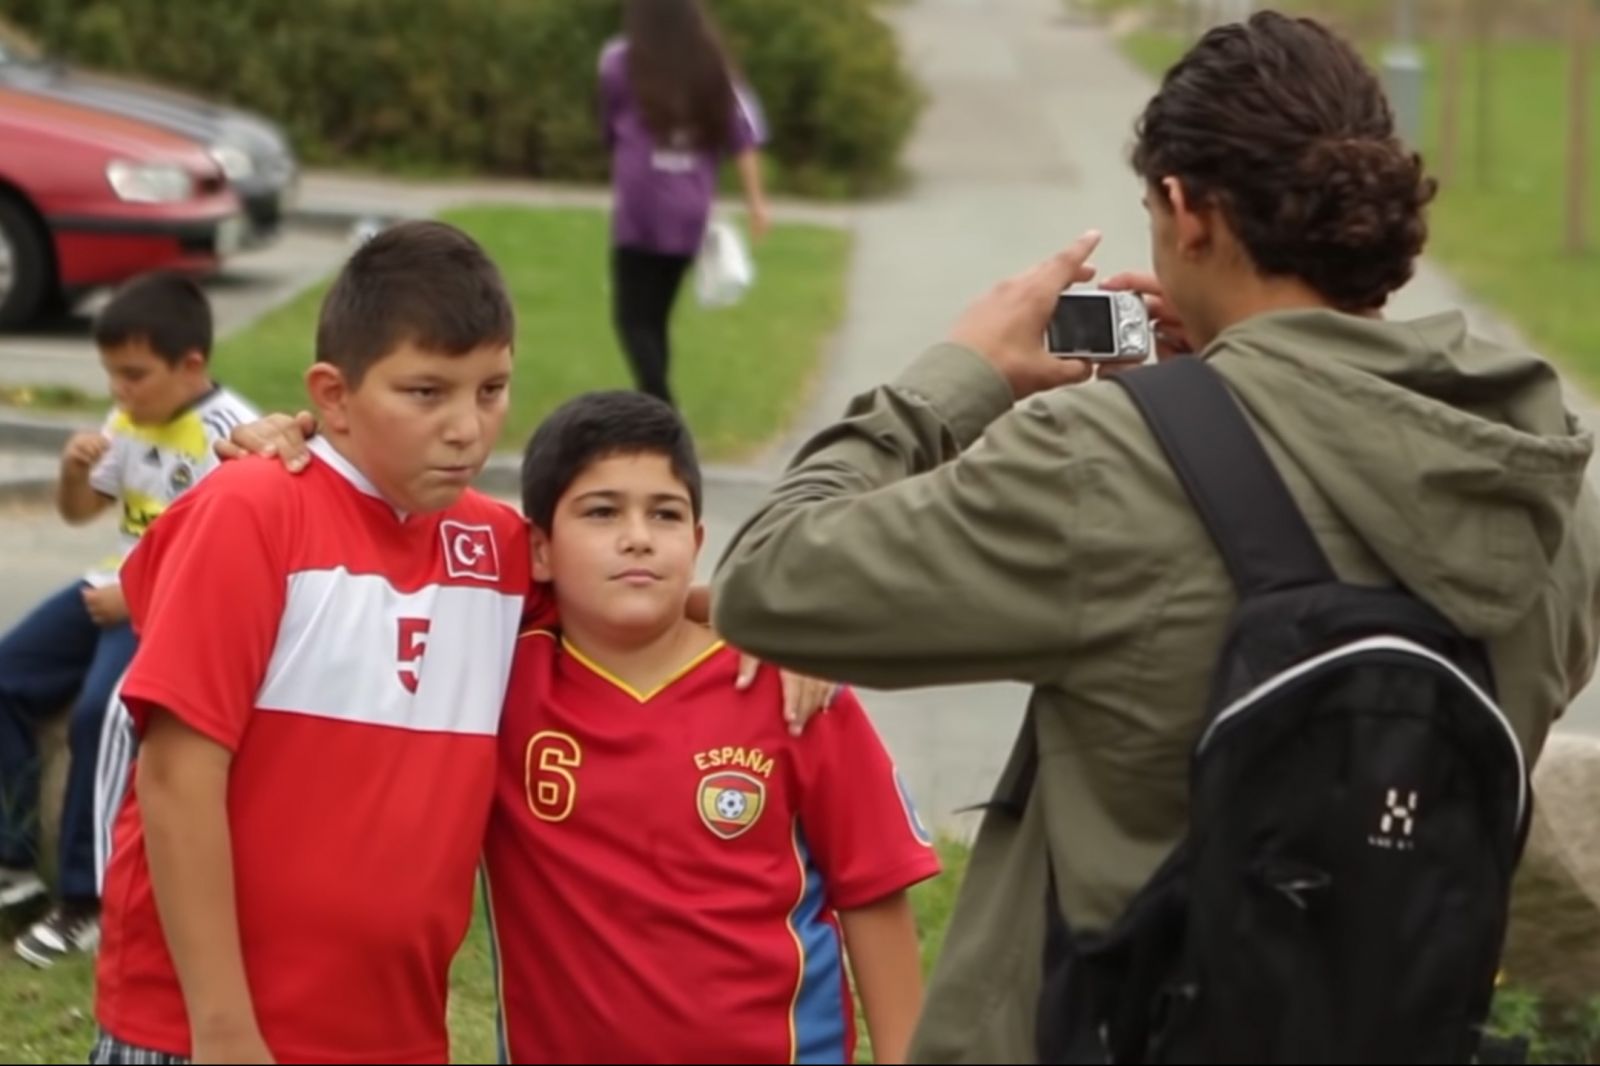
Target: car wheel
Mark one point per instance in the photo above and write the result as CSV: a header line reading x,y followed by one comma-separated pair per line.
x,y
24,264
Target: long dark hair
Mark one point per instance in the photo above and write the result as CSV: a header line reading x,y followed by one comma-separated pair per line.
x,y
679,73
1282,126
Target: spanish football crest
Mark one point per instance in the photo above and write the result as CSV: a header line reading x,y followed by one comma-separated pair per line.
x,y
730,802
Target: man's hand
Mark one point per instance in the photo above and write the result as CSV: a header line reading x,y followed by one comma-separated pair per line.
x,y
803,697
1007,324
1171,338
83,451
106,605
282,435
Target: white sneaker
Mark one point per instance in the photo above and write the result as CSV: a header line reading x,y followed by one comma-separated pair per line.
x,y
18,886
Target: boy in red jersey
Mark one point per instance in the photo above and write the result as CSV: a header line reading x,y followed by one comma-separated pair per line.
x,y
322,663
672,876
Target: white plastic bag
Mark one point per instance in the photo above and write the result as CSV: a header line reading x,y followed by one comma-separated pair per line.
x,y
724,270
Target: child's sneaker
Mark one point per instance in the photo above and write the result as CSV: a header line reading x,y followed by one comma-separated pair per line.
x,y
18,886
67,929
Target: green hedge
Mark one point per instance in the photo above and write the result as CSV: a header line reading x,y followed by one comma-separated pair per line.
x,y
496,86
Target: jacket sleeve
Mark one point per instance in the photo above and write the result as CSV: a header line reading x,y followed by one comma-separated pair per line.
x,y
892,555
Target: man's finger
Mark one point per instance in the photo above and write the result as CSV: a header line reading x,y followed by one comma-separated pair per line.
x,y
748,665
1066,267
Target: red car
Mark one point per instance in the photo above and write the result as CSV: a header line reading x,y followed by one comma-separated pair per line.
x,y
88,198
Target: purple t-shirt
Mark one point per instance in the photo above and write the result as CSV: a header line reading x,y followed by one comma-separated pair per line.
x,y
661,193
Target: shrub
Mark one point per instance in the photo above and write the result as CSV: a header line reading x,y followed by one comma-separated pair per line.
x,y
501,87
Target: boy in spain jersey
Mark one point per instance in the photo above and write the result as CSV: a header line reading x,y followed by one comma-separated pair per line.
x,y
154,338
322,663
672,876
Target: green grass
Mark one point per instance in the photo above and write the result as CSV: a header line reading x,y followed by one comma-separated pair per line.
x,y
1500,232
49,398
47,1016
741,373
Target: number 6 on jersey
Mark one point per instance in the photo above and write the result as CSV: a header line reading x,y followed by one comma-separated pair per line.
x,y
552,790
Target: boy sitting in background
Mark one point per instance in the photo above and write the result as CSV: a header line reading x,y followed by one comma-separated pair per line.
x,y
154,338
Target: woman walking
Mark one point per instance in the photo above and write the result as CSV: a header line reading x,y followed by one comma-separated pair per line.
x,y
673,109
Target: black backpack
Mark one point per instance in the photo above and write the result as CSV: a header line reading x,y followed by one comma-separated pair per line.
x,y
1358,805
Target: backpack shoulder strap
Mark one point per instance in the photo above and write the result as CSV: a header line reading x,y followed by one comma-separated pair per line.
x,y
1238,493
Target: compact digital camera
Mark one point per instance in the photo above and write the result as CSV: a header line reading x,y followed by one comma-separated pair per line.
x,y
1100,325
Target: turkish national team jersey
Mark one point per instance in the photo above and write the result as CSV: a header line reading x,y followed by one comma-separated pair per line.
x,y
663,870
355,662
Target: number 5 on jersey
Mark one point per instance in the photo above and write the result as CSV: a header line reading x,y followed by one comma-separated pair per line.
x,y
413,641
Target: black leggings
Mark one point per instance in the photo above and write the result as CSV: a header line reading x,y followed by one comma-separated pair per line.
x,y
644,286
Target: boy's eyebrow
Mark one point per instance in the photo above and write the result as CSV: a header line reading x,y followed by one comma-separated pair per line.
x,y
655,497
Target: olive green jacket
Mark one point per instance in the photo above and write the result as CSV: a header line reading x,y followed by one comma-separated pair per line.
x,y
1060,550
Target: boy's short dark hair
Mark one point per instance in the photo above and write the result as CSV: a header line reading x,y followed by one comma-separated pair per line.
x,y
596,426
425,283
163,309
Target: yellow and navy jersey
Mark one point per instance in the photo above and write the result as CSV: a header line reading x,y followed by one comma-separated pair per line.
x,y
149,466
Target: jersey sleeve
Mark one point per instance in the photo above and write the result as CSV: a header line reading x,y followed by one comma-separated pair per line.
x,y
855,812
205,588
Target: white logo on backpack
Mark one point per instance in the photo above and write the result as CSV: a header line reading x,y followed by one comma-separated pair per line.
x,y
1397,814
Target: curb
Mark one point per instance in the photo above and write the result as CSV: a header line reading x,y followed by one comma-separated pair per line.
x,y
341,220
501,476
39,433
26,490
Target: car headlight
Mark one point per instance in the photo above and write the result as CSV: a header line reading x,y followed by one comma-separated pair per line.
x,y
235,162
149,183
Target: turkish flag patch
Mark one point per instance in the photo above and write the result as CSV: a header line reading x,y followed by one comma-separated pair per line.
x,y
469,551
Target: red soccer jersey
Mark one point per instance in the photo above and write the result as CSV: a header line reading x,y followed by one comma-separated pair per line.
x,y
663,871
355,662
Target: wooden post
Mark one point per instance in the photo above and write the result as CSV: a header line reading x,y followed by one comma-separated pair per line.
x,y
1578,130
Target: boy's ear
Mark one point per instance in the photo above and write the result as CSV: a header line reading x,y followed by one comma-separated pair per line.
x,y
193,360
541,555
699,537
330,395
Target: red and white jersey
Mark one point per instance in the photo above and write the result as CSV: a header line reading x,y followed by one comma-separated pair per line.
x,y
664,870
355,661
